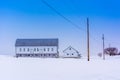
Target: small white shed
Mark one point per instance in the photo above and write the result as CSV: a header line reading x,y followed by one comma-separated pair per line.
x,y
70,52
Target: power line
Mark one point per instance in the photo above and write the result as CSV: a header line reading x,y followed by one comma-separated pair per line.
x,y
65,18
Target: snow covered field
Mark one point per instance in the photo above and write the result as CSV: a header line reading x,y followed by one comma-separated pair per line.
x,y
59,69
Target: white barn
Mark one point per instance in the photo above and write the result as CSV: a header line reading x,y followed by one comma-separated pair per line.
x,y
45,48
70,52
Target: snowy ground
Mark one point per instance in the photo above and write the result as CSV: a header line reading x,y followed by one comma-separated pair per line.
x,y
59,69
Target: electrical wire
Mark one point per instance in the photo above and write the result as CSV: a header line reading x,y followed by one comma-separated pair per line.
x,y
65,18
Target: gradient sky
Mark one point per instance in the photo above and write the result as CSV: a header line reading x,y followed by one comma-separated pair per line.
x,y
33,19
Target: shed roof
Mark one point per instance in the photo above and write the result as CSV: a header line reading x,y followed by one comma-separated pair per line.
x,y
36,42
70,50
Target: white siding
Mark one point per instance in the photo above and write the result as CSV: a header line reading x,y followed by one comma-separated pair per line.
x,y
37,49
70,55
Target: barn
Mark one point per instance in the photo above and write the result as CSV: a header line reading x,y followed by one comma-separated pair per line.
x,y
70,52
43,48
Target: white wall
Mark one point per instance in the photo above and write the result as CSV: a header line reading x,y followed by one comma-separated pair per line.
x,y
70,55
41,49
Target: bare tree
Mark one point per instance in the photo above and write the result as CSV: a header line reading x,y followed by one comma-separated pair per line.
x,y
111,51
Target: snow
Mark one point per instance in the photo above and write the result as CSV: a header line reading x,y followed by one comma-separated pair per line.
x,y
12,68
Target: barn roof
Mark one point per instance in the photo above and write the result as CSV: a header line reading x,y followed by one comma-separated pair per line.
x,y
36,42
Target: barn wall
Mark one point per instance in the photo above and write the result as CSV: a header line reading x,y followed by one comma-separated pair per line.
x,y
37,50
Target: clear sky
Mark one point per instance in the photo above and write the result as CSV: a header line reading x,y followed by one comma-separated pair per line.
x,y
33,19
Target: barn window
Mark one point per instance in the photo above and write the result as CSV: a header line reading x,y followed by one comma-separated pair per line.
x,y
20,55
67,54
69,48
37,49
44,55
40,55
20,49
52,49
44,49
28,49
28,54
53,54
34,49
24,49
72,54
48,49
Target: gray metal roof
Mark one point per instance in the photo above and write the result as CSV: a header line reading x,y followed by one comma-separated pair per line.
x,y
36,42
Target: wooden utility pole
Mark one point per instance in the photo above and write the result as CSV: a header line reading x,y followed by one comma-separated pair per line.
x,y
103,46
88,41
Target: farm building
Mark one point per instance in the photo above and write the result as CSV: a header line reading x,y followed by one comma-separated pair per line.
x,y
45,48
70,52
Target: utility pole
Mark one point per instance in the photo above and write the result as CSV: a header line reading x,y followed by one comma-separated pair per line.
x,y
103,46
88,41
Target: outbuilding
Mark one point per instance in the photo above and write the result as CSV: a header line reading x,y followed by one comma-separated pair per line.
x,y
70,52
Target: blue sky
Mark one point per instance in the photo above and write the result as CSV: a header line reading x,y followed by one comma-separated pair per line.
x,y
33,19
